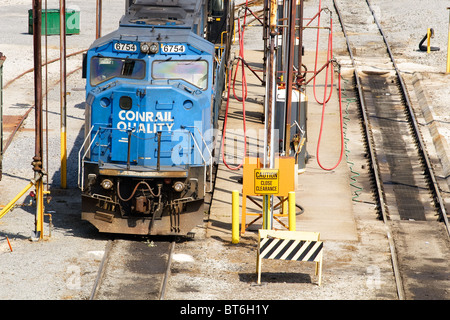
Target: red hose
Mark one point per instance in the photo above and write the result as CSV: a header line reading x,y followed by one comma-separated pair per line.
x,y
244,94
329,50
341,125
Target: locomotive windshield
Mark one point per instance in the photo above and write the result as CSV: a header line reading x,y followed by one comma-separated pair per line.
x,y
194,72
104,68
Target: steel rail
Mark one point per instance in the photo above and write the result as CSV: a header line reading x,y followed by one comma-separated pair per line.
x,y
162,291
421,145
375,169
101,270
26,114
43,64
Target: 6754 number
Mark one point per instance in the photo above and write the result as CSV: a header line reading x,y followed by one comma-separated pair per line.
x,y
120,46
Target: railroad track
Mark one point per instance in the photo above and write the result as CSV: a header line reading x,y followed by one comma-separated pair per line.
x,y
138,269
15,123
407,192
133,270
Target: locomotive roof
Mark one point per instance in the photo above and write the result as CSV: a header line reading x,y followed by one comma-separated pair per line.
x,y
180,13
168,35
160,21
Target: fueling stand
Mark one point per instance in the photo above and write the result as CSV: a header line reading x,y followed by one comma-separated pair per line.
x,y
286,108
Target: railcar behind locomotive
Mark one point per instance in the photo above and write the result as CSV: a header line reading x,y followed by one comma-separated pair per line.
x,y
153,93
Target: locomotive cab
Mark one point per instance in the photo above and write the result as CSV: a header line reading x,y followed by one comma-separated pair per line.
x,y
151,97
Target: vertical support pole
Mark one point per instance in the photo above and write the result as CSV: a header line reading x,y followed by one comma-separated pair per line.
x,y
269,143
258,259
40,208
63,89
235,217
38,157
289,71
300,43
265,38
267,216
292,221
448,44
98,24
2,59
428,40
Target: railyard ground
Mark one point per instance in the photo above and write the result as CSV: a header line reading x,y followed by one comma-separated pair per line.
x,y
356,259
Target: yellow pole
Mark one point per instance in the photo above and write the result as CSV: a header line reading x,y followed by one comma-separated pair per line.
x,y
292,222
63,158
235,216
448,46
63,90
40,208
428,40
8,207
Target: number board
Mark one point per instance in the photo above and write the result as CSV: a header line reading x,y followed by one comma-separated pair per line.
x,y
266,181
125,47
173,48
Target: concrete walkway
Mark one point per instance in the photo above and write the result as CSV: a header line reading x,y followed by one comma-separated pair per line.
x,y
325,196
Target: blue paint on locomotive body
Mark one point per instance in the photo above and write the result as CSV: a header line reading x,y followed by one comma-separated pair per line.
x,y
131,96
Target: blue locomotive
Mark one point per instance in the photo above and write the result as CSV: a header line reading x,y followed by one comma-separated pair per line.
x,y
153,93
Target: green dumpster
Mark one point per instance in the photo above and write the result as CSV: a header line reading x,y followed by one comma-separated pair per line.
x,y
72,21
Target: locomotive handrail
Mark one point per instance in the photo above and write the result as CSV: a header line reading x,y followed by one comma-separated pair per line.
x,y
80,160
201,154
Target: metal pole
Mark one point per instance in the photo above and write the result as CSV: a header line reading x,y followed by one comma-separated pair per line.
x,y
292,221
235,216
269,116
300,43
63,89
98,24
448,45
2,59
289,73
38,157
8,207
265,37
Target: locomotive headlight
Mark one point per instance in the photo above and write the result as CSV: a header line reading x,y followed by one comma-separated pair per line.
x,y
153,48
145,47
149,47
106,184
178,186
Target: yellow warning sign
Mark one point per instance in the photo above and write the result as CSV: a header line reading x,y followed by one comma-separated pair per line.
x,y
266,181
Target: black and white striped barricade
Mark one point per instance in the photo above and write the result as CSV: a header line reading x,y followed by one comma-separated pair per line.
x,y
290,245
